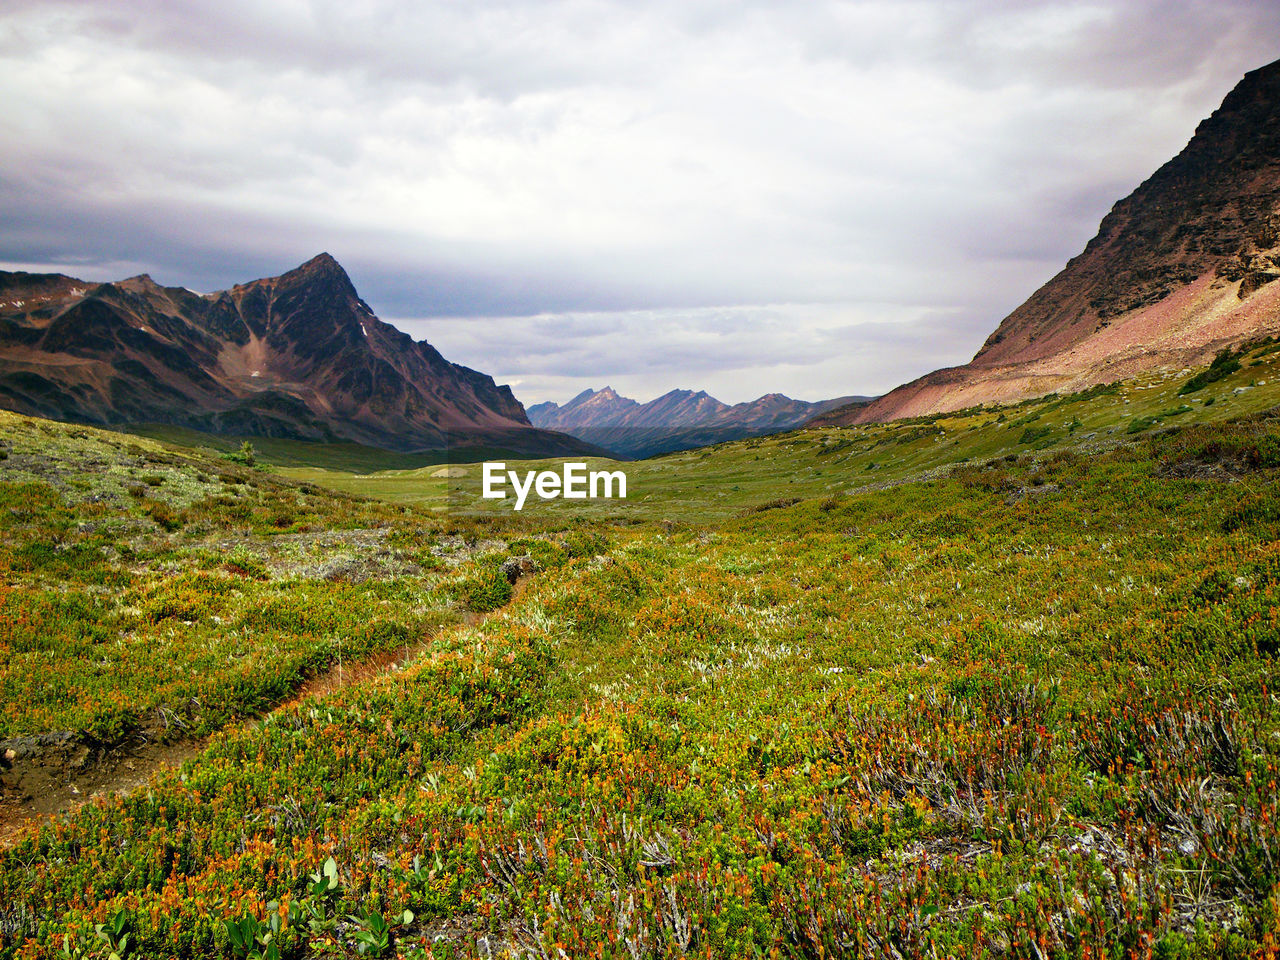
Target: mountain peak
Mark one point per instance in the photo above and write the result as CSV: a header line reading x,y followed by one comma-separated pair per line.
x,y
1264,78
321,261
321,265
677,420
219,363
1187,263
141,284
321,275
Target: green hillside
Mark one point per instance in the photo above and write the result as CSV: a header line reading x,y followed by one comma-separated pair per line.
x,y
714,483
998,683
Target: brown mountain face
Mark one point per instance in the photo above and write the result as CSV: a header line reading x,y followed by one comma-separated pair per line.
x,y
299,355
1180,268
678,420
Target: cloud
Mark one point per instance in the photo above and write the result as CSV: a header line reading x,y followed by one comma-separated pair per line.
x,y
808,351
893,161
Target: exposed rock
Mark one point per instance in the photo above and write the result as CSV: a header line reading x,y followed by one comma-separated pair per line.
x,y
517,567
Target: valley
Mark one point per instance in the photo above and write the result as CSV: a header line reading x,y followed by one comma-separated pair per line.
x,y
984,666
965,703
721,481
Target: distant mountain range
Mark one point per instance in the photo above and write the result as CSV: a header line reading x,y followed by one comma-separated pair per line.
x,y
1180,268
677,420
299,355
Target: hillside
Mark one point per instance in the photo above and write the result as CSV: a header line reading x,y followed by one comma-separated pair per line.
x,y
1022,709
1181,267
712,484
677,420
295,356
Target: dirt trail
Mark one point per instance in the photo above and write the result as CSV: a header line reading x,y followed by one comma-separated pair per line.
x,y
55,773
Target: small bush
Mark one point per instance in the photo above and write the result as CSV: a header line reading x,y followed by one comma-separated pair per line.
x,y
486,590
164,516
1033,434
1224,364
1252,512
578,543
778,504
246,455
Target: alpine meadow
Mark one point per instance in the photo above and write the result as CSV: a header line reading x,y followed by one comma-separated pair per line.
x,y
317,644
1020,704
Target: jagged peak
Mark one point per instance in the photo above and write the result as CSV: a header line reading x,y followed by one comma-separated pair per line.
x,y
680,396
136,284
322,260
320,267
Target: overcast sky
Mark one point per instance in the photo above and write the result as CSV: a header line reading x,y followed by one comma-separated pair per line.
x,y
814,198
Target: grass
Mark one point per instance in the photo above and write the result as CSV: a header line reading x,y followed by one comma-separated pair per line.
x,y
157,590
348,457
716,483
1021,705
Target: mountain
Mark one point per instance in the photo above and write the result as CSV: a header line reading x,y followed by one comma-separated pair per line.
x,y
1179,268
677,420
299,355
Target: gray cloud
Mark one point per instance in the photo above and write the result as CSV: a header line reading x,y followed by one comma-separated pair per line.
x,y
914,167
808,351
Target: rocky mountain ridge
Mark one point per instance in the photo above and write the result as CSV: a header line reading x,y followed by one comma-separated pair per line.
x,y
1181,267
299,355
677,420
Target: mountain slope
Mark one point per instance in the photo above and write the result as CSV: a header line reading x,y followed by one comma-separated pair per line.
x,y
1178,269
677,420
299,355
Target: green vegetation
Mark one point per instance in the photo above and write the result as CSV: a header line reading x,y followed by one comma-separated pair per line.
x,y
341,456
246,455
487,589
1021,705
1034,434
719,482
156,591
1224,364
